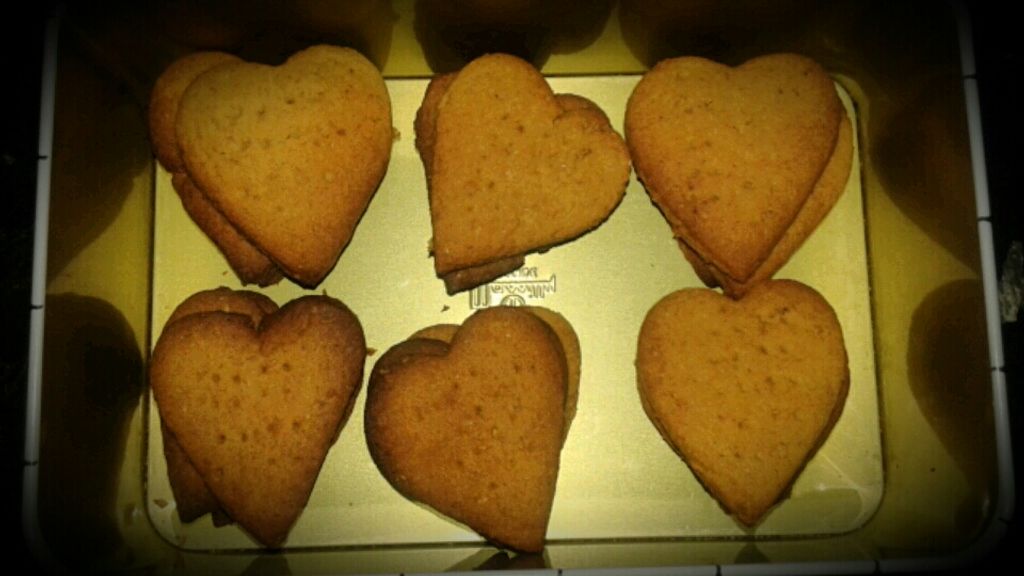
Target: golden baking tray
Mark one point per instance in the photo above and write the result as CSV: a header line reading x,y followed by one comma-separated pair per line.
x,y
917,472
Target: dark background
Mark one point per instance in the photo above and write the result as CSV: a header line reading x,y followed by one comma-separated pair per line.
x,y
999,64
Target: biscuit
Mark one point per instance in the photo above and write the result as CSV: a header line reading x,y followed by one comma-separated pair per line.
x,y
730,155
191,495
826,193
292,154
512,168
745,391
256,403
474,428
249,264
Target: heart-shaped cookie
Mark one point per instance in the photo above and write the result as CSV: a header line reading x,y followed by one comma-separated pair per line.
x,y
745,391
474,428
256,405
511,167
292,154
730,155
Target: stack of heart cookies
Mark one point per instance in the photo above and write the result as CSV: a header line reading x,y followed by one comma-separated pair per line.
x,y
470,420
743,162
251,398
276,164
512,168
